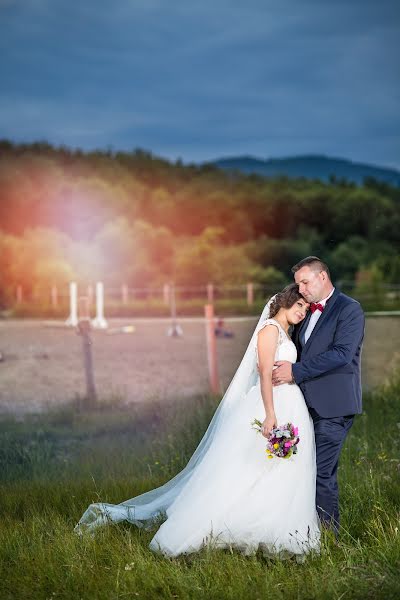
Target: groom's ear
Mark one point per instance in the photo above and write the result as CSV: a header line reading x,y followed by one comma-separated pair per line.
x,y
324,275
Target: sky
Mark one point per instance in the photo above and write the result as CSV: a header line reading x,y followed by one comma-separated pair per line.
x,y
204,79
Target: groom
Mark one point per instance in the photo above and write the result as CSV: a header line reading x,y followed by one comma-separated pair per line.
x,y
328,343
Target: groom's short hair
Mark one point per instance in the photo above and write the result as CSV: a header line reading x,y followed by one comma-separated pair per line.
x,y
315,264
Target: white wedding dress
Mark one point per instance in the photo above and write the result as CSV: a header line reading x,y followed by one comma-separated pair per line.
x,y
230,495
239,498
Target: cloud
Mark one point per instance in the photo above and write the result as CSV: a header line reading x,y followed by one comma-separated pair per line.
x,y
198,79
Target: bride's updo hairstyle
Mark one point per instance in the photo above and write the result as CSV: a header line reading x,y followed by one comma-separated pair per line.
x,y
285,299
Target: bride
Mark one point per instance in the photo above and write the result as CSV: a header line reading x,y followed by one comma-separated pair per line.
x,y
229,494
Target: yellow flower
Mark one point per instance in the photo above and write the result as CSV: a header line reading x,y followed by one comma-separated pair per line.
x,y
276,445
270,456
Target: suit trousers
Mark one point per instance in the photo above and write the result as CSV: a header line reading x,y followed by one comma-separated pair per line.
x,y
330,434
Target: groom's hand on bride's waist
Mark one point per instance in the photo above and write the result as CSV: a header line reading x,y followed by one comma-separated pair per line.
x,y
282,372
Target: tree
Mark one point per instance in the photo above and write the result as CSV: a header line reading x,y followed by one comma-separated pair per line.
x,y
49,272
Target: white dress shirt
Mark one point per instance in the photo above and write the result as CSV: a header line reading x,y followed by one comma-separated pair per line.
x,y
314,317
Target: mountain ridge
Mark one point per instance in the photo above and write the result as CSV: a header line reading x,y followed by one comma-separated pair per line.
x,y
309,166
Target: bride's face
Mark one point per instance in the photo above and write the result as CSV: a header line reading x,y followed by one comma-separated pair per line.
x,y
296,313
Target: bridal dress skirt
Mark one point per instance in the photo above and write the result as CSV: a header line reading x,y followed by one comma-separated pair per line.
x,y
238,498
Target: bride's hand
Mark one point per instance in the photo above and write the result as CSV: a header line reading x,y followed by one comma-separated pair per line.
x,y
268,424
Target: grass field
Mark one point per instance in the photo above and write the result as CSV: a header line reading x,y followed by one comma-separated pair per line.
x,y
53,465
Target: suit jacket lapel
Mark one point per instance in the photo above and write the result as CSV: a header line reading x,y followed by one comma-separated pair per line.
x,y
324,315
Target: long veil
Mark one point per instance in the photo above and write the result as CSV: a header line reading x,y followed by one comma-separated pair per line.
x,y
144,509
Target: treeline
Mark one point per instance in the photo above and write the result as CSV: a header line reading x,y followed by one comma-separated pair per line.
x,y
138,219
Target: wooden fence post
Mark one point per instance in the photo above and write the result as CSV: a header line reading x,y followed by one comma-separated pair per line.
x,y
250,294
84,331
166,294
72,320
211,349
99,321
124,293
210,293
90,295
175,330
54,296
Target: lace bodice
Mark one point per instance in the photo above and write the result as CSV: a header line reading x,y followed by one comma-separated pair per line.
x,y
286,350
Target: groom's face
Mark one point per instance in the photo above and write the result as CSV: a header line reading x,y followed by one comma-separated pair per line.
x,y
311,284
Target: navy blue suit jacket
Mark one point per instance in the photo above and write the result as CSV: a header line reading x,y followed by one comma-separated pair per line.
x,y
328,370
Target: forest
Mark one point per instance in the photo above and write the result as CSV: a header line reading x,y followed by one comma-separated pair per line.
x,y
135,218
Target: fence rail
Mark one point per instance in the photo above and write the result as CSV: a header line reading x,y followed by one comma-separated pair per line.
x,y
124,298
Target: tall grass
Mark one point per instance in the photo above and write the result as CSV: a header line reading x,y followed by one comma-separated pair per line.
x,y
53,466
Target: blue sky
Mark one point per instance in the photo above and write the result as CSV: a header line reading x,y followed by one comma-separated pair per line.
x,y
200,80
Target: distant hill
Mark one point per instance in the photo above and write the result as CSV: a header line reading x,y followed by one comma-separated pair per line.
x,y
310,167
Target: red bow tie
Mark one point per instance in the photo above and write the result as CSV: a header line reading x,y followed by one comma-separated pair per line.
x,y
316,306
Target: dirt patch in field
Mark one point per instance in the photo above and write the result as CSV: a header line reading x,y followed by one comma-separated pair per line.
x,y
43,366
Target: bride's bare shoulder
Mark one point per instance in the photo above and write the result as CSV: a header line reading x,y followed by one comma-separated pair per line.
x,y
269,328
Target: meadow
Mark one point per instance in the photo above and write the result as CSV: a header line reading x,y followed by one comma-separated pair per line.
x,y
54,464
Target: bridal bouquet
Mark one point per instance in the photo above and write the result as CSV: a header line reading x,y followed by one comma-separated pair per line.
x,y
282,441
